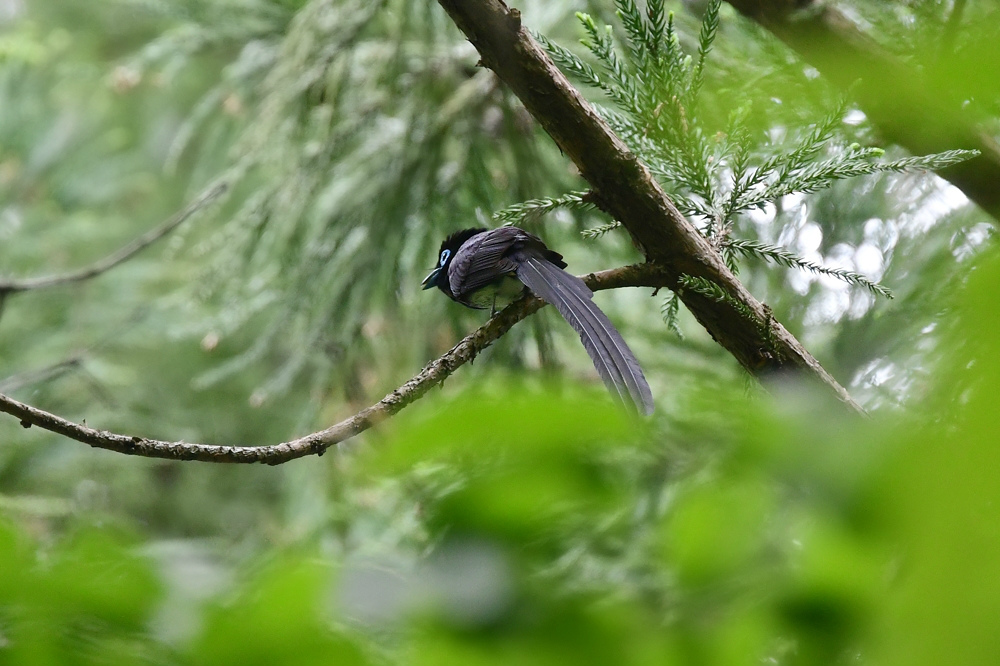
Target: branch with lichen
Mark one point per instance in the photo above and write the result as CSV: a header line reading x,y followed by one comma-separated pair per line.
x,y
433,374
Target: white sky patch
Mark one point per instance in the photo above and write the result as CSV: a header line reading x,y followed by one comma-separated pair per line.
x,y
945,199
799,217
10,221
861,303
810,238
10,9
868,260
841,256
855,117
790,201
828,307
799,281
883,234
763,217
966,244
878,372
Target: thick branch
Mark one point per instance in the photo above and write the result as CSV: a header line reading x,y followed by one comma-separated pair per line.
x,y
625,189
121,255
904,104
434,373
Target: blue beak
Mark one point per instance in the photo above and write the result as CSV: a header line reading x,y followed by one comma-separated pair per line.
x,y
431,280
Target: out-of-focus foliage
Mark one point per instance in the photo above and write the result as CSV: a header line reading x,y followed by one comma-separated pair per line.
x,y
497,524
948,43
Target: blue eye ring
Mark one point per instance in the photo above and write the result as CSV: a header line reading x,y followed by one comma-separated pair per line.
x,y
444,258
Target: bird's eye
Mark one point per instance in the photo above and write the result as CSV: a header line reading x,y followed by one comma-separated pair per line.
x,y
444,257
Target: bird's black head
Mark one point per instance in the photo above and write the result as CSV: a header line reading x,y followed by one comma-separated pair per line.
x,y
439,276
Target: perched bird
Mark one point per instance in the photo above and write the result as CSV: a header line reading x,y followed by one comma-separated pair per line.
x,y
480,268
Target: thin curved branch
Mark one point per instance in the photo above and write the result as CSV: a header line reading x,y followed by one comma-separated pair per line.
x,y
41,375
434,373
120,256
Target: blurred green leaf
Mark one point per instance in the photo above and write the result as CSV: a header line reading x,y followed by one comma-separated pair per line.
x,y
277,616
718,528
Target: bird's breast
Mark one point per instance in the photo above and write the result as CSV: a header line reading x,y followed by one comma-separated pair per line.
x,y
495,295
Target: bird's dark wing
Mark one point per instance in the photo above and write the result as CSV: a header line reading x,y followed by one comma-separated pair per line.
x,y
481,260
489,257
614,361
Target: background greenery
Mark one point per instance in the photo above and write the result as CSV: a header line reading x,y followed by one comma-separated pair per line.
x,y
512,517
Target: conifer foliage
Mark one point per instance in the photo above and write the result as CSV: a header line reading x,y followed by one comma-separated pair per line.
x,y
655,91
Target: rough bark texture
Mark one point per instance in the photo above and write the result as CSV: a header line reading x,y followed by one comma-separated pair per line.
x,y
433,374
907,109
625,189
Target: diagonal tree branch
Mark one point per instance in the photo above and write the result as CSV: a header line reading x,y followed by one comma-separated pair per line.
x,y
903,103
625,189
123,254
433,374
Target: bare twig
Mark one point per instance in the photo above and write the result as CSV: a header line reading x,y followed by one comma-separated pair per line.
x,y
41,375
120,256
434,373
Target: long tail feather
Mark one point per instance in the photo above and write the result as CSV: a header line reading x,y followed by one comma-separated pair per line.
x,y
614,361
